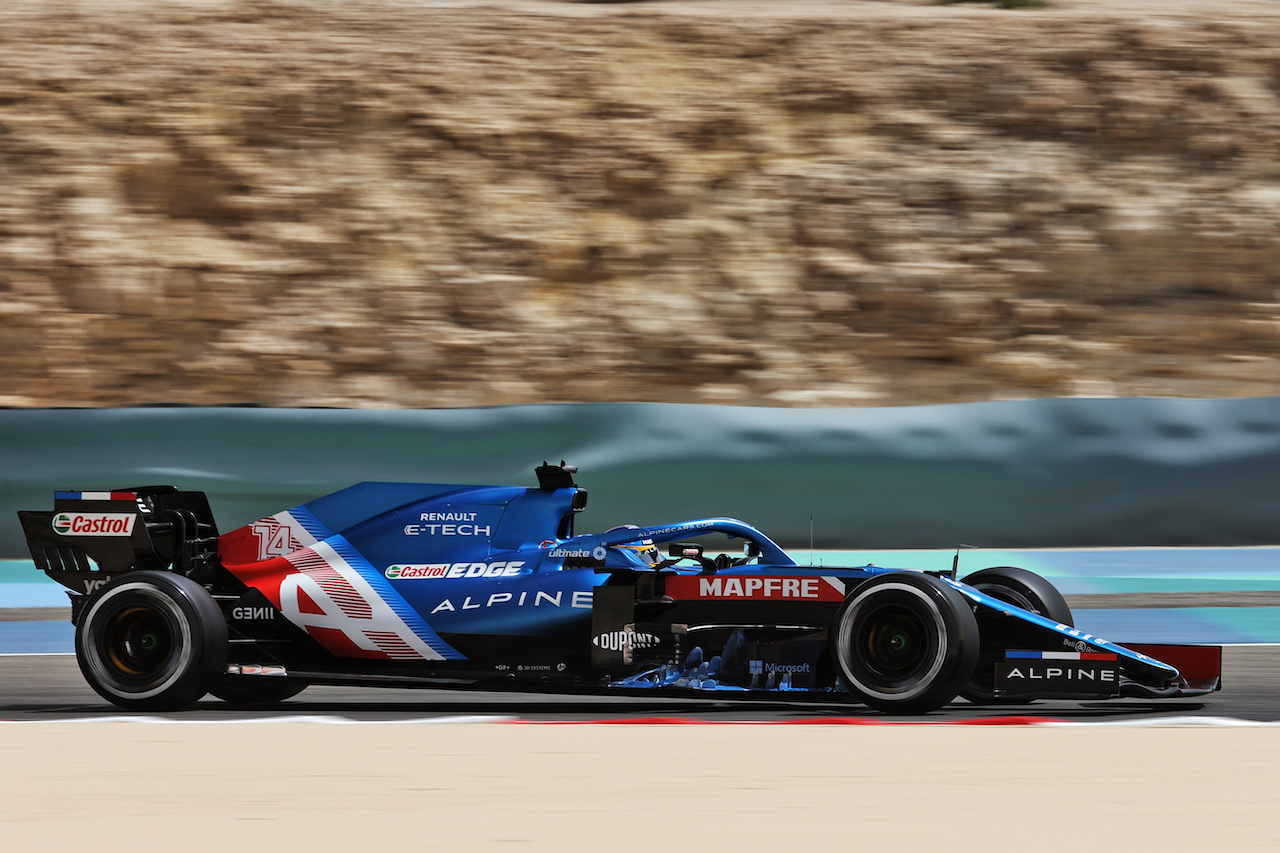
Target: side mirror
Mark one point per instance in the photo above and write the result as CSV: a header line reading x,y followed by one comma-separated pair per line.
x,y
685,549
751,550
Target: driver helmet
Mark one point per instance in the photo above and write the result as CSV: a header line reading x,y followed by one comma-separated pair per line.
x,y
643,549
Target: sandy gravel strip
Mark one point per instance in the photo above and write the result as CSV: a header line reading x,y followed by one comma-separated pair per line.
x,y
556,788
35,614
475,719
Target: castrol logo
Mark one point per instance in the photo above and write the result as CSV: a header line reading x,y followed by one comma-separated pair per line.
x,y
94,523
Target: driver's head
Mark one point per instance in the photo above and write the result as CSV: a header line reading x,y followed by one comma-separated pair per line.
x,y
643,549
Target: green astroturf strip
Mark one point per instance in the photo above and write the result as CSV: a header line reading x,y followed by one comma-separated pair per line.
x,y
20,571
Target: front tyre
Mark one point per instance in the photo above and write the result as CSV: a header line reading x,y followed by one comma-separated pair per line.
x,y
151,641
905,643
1020,588
1023,589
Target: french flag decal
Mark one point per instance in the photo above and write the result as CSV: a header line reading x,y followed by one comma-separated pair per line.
x,y
95,496
1010,655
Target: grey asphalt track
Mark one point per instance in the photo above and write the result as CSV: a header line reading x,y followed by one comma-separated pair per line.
x,y
50,687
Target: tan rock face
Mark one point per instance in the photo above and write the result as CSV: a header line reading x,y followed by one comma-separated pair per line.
x,y
375,204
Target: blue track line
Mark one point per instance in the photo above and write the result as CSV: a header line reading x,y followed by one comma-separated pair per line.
x,y
37,638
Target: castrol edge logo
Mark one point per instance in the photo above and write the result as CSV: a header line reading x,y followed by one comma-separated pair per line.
x,y
455,570
94,523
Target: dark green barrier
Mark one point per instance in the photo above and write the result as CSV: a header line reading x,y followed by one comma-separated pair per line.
x,y
1024,474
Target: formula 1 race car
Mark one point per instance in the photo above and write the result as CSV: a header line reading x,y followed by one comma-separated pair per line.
x,y
485,587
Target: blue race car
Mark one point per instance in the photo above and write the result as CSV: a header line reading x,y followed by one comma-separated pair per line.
x,y
489,587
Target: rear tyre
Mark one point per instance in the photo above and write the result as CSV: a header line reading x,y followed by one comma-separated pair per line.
x,y
151,641
1020,588
253,690
905,643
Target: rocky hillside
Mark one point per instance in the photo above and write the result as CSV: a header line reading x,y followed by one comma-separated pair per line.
x,y
815,203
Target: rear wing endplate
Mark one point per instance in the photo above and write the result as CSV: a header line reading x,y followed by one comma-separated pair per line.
x,y
90,536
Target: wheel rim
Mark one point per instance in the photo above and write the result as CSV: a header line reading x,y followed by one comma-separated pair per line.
x,y
141,645
894,640
892,646
138,641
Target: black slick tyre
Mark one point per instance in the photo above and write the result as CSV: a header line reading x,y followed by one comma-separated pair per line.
x,y
151,641
905,643
1020,588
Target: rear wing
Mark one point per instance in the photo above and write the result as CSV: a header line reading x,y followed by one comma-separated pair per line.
x,y
90,536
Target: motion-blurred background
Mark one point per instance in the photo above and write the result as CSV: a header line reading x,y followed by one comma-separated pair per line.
x,y
810,203
772,207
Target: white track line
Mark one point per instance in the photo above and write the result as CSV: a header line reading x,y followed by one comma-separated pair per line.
x,y
297,718
473,719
